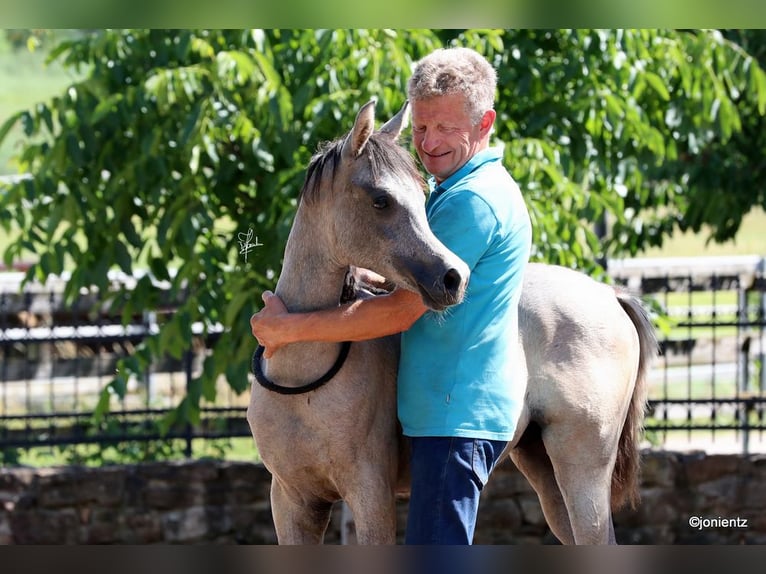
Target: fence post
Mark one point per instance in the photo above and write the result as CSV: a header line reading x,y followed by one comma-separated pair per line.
x,y
188,360
347,526
151,326
744,412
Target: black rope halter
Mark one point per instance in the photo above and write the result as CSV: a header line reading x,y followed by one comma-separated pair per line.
x,y
272,386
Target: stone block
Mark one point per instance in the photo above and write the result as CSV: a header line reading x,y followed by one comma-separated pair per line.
x,y
16,480
44,526
706,468
506,480
531,511
166,495
658,469
187,525
142,528
502,514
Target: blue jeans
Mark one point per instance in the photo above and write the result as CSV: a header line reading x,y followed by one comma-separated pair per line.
x,y
448,474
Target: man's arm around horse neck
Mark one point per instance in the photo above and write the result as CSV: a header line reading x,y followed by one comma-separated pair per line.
x,y
359,320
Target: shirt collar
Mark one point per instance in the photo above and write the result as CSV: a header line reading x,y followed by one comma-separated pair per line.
x,y
479,159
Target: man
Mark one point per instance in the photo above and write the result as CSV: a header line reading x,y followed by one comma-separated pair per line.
x,y
458,397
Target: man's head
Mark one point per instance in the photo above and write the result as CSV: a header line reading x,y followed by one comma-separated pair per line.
x,y
452,92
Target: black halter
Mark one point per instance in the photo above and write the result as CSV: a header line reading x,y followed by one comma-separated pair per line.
x,y
347,294
267,384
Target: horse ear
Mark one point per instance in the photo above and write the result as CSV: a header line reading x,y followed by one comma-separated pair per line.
x,y
361,132
398,123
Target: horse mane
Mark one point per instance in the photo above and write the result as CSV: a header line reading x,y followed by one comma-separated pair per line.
x,y
382,153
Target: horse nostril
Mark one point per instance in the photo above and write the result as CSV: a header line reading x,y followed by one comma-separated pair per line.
x,y
452,281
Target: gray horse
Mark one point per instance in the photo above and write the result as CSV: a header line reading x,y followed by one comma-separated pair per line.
x,y
585,351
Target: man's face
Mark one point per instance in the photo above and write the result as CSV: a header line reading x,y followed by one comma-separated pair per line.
x,y
444,135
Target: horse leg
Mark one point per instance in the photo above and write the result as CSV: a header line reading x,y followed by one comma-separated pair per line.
x,y
298,523
585,481
532,460
586,491
373,505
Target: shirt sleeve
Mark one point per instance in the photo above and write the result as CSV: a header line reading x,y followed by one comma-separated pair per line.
x,y
466,225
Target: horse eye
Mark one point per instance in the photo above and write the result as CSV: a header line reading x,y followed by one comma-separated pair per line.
x,y
380,202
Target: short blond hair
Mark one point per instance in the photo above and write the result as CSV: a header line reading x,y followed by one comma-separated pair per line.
x,y
455,71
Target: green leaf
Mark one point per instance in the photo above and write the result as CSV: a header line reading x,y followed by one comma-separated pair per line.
x,y
102,406
159,268
613,107
45,113
8,125
190,126
209,378
170,419
106,107
236,65
658,85
74,150
210,148
122,257
129,230
28,122
757,79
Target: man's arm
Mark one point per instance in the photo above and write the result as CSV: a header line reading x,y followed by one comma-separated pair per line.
x,y
359,320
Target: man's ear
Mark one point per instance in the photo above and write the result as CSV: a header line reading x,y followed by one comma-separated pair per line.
x,y
487,121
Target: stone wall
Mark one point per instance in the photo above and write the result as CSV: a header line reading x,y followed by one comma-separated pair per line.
x,y
209,502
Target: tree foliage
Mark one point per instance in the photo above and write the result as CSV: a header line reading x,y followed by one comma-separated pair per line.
x,y
178,143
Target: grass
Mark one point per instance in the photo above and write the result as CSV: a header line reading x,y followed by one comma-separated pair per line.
x,y
698,389
750,240
241,449
25,80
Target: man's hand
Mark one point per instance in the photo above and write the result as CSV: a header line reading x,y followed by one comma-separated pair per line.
x,y
266,324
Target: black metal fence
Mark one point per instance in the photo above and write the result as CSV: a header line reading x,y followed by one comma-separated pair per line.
x,y
56,359
709,383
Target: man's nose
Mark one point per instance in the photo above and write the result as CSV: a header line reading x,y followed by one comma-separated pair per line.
x,y
430,140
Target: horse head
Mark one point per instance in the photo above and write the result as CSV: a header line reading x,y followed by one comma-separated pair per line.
x,y
371,198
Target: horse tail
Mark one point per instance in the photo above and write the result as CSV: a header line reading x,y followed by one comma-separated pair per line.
x,y
625,478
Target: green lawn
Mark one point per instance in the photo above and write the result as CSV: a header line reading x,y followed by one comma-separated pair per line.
x,y
25,80
750,240
234,449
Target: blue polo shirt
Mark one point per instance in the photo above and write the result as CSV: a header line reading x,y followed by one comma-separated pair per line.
x,y
457,371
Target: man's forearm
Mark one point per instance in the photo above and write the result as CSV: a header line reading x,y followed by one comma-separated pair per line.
x,y
356,321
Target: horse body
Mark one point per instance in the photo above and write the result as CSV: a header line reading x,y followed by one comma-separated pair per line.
x,y
583,350
586,353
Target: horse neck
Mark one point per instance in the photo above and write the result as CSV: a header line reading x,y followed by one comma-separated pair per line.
x,y
310,278
309,281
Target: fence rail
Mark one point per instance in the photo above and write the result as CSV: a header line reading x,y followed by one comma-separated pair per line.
x,y
55,359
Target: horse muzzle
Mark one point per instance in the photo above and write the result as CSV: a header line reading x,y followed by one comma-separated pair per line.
x,y
447,291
